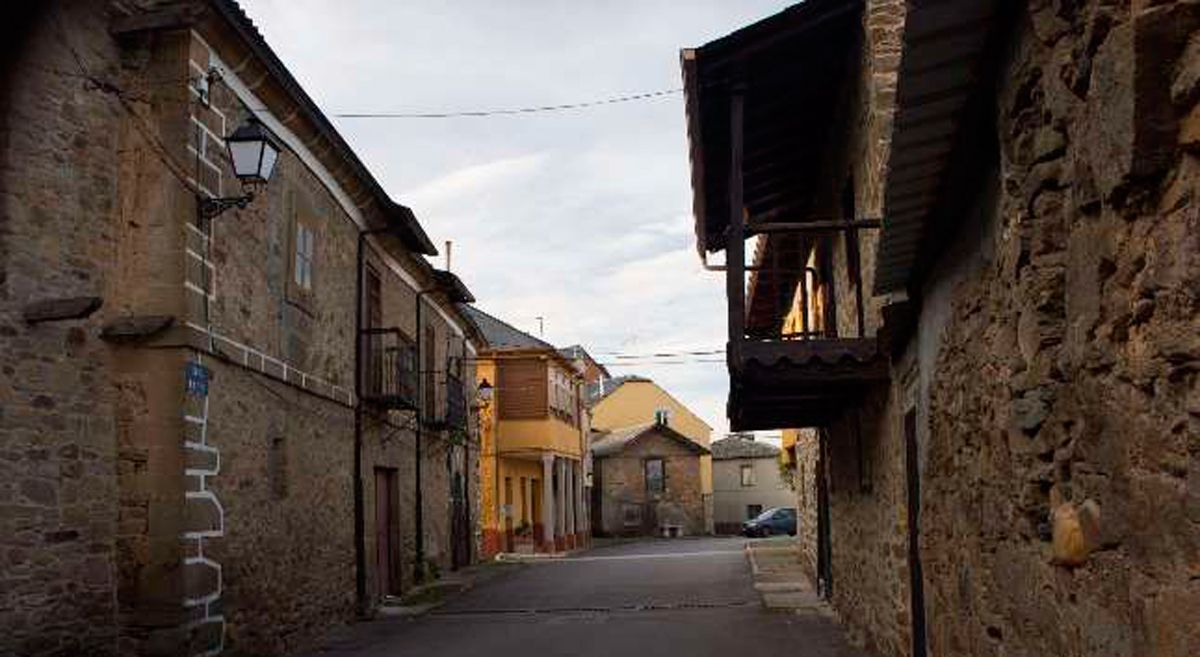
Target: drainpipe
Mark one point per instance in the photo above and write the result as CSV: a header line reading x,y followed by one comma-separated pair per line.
x,y
419,511
360,551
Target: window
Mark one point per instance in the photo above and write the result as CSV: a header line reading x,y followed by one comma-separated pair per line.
x,y
656,476
747,474
662,417
753,511
305,248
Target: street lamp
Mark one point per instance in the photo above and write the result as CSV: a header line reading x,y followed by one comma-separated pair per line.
x,y
253,150
485,392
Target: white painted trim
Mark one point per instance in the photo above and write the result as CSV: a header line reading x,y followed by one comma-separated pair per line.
x,y
289,138
264,359
210,496
203,472
211,597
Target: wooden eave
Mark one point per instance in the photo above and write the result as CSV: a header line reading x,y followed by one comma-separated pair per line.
x,y
947,63
232,34
789,68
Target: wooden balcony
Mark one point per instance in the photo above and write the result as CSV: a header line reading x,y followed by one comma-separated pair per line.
x,y
776,384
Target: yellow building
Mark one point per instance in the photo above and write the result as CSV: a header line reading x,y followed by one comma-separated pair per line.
x,y
532,443
629,401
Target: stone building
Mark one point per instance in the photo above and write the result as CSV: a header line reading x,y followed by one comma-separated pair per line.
x,y
648,480
975,277
747,480
217,433
621,402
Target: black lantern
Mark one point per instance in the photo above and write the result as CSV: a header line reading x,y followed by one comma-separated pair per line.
x,y
253,150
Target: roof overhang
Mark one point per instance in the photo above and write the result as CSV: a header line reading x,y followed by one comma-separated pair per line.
x,y
227,27
949,55
453,287
790,69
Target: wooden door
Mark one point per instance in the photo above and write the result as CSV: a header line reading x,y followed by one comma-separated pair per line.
x,y
916,581
387,531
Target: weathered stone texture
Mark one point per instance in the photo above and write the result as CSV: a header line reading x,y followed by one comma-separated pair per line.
x,y
58,460
100,476
1066,374
623,481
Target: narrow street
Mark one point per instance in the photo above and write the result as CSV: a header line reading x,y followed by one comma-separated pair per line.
x,y
685,597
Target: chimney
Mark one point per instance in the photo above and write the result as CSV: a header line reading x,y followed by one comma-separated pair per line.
x,y
449,246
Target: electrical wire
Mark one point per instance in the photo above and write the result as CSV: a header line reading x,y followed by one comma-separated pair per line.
x,y
536,109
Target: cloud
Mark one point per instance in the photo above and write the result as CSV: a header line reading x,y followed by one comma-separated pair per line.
x,y
580,217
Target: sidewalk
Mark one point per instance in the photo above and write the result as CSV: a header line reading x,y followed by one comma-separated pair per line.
x,y
780,580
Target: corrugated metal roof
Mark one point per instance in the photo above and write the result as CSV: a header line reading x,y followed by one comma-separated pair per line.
x,y
945,46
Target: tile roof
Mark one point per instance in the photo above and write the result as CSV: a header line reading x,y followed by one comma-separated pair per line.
x,y
615,441
736,447
501,335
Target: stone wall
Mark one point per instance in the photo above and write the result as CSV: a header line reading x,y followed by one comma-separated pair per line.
x,y
1066,385
58,425
1052,372
137,516
623,481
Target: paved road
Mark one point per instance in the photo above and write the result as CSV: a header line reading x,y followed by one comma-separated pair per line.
x,y
688,598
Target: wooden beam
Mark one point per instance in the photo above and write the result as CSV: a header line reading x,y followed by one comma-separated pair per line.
x,y
735,246
811,226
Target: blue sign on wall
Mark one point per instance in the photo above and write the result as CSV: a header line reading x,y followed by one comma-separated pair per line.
x,y
196,376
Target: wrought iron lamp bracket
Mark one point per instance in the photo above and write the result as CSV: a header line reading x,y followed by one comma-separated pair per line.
x,y
212,207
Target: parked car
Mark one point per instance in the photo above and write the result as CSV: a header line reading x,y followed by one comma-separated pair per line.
x,y
773,521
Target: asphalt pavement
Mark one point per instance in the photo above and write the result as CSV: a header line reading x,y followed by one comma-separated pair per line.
x,y
686,597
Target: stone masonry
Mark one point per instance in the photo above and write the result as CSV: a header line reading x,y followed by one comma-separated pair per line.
x,y
188,489
622,481
1052,371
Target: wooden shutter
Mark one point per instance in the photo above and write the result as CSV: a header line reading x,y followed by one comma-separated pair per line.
x,y
522,389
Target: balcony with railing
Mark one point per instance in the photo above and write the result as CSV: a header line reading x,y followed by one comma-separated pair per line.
x,y
456,403
390,369
762,104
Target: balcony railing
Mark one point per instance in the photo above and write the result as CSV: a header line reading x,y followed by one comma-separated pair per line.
x,y
456,403
790,366
390,369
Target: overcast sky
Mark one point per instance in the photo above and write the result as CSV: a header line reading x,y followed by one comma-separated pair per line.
x,y
582,217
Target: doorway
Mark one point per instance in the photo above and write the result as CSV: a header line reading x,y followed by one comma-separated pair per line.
x,y
387,531
916,581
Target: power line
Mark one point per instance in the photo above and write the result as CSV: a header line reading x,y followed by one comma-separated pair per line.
x,y
509,111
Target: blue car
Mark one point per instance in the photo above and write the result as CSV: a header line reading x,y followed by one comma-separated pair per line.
x,y
772,522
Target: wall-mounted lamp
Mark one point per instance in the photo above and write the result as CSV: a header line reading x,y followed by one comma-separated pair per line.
x,y
254,150
486,390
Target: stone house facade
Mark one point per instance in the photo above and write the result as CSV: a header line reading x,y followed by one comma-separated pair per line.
x,y
648,480
191,464
746,481
1004,460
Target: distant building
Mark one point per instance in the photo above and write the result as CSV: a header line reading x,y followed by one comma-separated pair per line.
x,y
746,481
533,484
632,401
648,482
